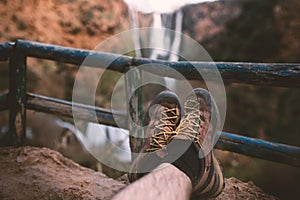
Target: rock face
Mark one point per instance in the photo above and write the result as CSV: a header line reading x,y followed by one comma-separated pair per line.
x,y
41,173
76,23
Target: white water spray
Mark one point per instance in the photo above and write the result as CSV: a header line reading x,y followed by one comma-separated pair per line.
x,y
96,135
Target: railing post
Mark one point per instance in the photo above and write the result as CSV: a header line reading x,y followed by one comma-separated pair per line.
x,y
17,97
135,109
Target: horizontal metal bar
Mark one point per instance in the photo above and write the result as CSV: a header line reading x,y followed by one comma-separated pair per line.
x,y
64,108
74,56
266,74
258,148
272,74
240,144
3,102
5,49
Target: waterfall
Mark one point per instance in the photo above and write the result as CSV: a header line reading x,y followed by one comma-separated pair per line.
x,y
175,48
169,46
166,15
134,22
177,39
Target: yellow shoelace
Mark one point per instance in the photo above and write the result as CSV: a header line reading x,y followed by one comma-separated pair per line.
x,y
191,121
164,129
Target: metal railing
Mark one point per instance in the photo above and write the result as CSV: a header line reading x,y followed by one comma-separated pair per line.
x,y
18,100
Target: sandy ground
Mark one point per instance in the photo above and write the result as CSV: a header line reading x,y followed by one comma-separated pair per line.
x,y
41,173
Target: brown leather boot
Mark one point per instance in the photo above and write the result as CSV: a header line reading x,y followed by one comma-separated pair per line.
x,y
162,118
191,149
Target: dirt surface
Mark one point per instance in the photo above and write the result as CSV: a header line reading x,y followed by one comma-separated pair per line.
x,y
236,189
41,173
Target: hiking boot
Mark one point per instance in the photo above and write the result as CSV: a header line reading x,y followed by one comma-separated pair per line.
x,y
190,149
162,119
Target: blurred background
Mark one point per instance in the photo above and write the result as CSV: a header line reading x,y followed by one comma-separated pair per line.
x,y
236,30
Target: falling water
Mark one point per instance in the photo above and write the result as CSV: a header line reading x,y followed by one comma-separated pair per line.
x,y
166,15
169,46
